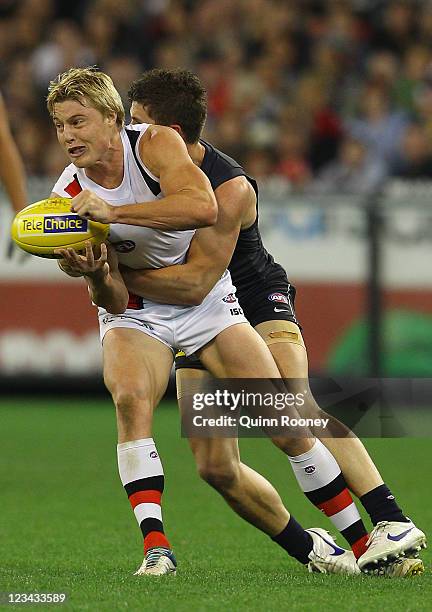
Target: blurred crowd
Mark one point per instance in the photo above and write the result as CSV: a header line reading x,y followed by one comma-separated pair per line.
x,y
317,96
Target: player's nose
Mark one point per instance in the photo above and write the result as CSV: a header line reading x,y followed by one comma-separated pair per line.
x,y
68,135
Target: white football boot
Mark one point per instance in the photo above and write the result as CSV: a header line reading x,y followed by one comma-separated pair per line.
x,y
327,557
388,541
158,562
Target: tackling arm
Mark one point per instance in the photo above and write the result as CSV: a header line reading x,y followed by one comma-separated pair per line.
x,y
188,201
209,254
11,166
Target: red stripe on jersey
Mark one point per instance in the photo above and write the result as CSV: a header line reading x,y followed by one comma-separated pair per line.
x,y
337,503
145,497
135,302
74,188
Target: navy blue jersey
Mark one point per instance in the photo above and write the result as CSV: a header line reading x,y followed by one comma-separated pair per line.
x,y
251,265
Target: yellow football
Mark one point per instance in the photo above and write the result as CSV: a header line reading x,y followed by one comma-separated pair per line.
x,y
49,224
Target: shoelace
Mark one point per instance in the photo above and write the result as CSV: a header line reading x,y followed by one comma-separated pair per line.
x,y
153,556
372,540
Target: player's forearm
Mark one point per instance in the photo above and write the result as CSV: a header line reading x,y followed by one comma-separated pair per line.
x,y
109,293
174,212
179,284
12,174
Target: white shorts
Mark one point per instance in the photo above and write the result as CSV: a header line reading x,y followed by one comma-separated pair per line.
x,y
185,328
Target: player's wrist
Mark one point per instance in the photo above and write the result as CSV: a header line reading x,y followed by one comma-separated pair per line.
x,y
98,277
113,214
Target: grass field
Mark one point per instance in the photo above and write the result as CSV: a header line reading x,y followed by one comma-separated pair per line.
x,y
66,525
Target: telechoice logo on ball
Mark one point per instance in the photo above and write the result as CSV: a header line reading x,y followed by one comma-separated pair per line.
x,y
38,225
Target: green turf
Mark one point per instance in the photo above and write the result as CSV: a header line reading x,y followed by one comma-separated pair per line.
x,y
66,525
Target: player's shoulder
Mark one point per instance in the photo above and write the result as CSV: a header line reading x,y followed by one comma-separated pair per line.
x,y
135,131
221,168
154,140
154,144
150,132
216,156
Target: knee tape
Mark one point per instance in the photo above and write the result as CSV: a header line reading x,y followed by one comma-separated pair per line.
x,y
276,331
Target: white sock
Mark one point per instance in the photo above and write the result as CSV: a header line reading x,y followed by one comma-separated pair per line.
x,y
321,479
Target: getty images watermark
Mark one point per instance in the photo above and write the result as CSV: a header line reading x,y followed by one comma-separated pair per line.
x,y
248,407
322,407
235,401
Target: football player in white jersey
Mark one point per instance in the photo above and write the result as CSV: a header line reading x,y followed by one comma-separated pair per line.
x,y
150,166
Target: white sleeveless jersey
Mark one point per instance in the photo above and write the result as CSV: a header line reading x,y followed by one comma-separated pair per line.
x,y
137,247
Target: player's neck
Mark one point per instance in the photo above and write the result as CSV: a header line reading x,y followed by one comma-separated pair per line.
x,y
108,171
196,152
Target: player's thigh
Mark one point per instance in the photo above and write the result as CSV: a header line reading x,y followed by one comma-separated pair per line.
x,y
188,378
239,352
136,364
287,347
286,344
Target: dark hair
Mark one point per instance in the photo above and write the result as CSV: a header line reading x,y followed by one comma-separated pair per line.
x,y
172,97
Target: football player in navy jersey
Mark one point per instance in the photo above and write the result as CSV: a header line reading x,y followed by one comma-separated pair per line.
x,y
176,98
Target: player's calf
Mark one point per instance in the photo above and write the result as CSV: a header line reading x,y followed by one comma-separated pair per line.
x,y
221,477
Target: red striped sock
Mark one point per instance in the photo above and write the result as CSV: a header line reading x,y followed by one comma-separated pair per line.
x,y
142,476
343,513
320,478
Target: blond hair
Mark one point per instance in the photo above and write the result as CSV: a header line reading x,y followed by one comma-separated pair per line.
x,y
91,84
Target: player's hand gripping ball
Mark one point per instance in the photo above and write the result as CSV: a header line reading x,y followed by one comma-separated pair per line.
x,y
45,226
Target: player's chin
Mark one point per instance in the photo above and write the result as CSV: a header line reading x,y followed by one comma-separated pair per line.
x,y
82,161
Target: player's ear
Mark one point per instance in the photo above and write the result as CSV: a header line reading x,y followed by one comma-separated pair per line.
x,y
111,118
178,129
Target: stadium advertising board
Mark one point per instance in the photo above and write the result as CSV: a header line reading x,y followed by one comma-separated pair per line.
x,y
47,324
